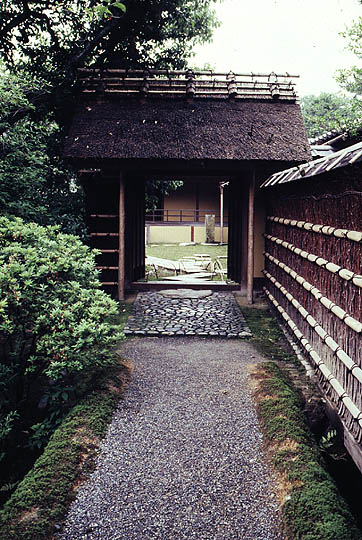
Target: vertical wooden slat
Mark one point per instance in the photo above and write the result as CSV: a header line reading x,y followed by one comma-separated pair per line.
x,y
250,272
221,185
235,230
121,231
230,252
134,233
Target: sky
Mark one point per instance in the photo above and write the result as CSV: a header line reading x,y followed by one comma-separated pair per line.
x,y
300,37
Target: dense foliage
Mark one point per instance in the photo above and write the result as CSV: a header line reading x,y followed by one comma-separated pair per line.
x,y
68,458
156,190
326,112
57,37
34,182
333,111
351,79
56,329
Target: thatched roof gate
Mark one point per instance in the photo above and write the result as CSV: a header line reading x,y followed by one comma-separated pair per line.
x,y
132,125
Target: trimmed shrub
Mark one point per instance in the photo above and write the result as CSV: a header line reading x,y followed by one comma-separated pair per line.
x,y
57,329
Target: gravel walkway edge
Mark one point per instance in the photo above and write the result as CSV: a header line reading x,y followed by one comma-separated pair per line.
x,y
183,455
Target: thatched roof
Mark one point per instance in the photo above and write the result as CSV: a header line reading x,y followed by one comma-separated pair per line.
x,y
186,118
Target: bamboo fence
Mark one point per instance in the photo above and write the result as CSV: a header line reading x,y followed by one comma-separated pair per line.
x,y
313,256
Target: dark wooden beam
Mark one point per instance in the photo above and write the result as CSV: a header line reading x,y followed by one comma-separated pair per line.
x,y
159,285
251,233
121,239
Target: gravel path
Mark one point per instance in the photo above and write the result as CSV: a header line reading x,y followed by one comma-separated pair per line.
x,y
182,459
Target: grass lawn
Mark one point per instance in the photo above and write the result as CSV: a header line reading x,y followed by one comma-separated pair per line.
x,y
174,252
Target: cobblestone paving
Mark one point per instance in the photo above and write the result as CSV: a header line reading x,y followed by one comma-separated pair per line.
x,y
217,315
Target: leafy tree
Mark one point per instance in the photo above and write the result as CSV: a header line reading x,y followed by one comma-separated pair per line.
x,y
54,38
351,79
156,190
325,112
50,40
34,182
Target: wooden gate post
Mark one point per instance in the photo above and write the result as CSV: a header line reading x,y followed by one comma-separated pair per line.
x,y
250,271
221,186
121,238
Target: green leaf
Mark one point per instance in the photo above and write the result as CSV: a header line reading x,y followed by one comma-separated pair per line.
x,y
120,6
102,11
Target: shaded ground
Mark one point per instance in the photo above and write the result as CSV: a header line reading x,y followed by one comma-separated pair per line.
x,y
183,456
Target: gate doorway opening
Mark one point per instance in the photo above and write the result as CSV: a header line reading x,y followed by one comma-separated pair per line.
x,y
186,230
118,229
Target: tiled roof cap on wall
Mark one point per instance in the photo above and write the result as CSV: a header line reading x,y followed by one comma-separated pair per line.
x,y
328,136
347,156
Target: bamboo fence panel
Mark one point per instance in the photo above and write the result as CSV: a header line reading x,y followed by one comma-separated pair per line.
x,y
324,203
332,285
356,236
341,251
331,325
339,312
344,273
313,269
335,391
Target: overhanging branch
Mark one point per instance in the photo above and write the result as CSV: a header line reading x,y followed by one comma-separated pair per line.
x,y
77,60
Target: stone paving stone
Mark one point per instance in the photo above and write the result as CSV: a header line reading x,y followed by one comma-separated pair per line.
x,y
216,315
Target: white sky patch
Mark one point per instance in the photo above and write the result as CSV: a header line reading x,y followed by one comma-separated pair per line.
x,y
300,37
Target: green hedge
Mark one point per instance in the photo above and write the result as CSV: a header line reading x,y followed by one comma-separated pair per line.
x,y
57,330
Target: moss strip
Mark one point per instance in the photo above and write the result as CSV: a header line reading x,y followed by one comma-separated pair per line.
x,y
311,506
42,499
